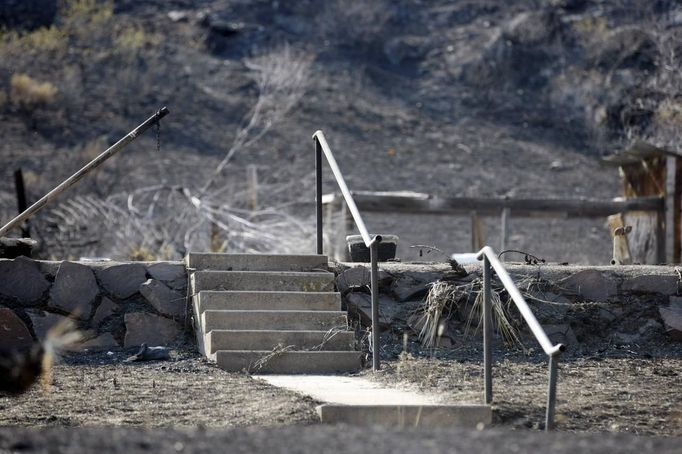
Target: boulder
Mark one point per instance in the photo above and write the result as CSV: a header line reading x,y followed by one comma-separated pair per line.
x,y
403,49
591,285
672,321
360,304
358,277
651,283
43,321
150,329
123,280
167,272
14,335
409,286
74,290
561,334
100,342
165,300
22,280
105,309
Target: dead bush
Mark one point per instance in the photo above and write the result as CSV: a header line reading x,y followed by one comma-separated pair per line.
x,y
29,94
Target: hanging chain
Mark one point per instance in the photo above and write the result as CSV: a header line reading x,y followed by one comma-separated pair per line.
x,y
158,135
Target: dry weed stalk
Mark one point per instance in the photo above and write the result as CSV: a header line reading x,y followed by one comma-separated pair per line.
x,y
441,296
501,321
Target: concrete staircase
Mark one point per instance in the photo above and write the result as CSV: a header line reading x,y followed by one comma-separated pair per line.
x,y
270,314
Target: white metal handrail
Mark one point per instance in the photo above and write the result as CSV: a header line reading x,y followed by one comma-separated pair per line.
x,y
491,262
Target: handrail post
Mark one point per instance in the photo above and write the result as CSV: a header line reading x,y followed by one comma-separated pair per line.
x,y
551,392
318,199
374,280
487,330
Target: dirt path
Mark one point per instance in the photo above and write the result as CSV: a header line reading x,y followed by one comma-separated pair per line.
x,y
189,391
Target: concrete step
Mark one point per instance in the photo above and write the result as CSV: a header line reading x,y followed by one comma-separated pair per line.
x,y
256,262
283,281
274,320
399,416
289,362
268,340
250,300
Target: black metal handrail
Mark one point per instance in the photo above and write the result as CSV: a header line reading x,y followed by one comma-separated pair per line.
x,y
490,262
321,146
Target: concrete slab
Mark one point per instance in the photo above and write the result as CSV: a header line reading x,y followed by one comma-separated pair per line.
x,y
282,281
359,401
256,262
273,300
348,390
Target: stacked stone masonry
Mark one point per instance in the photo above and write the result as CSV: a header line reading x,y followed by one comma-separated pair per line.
x,y
112,304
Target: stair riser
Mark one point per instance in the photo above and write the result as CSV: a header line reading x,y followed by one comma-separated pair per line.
x,y
268,340
225,280
274,320
406,416
285,301
290,362
250,262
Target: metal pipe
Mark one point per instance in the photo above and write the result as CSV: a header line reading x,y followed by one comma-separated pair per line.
x,y
520,302
487,331
504,228
115,148
318,197
352,207
374,279
551,392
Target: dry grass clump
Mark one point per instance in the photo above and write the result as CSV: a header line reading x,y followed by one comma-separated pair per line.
x,y
445,299
28,93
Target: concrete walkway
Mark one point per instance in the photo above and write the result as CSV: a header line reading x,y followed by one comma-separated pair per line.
x,y
346,390
359,401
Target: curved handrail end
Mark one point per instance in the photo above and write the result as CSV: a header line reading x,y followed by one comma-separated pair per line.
x,y
318,133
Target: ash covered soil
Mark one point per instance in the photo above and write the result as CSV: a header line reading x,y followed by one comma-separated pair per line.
x,y
617,391
99,389
629,394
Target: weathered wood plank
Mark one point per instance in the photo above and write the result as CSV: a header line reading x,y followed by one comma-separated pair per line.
x,y
419,203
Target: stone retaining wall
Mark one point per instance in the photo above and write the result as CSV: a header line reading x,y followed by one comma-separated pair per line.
x,y
113,304
577,305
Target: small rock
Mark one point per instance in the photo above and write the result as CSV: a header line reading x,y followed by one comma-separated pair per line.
x,y
561,334
43,322
360,304
123,280
101,342
166,301
591,285
74,289
672,320
358,276
14,335
22,280
105,309
147,328
150,354
178,16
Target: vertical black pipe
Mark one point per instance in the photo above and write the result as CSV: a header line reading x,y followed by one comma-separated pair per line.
x,y
318,199
374,280
22,203
551,392
487,331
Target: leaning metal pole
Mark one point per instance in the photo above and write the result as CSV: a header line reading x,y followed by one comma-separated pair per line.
x,y
66,184
487,331
374,278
